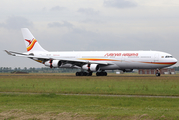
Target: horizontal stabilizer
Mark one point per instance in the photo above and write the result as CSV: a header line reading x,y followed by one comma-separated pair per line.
x,y
15,53
9,53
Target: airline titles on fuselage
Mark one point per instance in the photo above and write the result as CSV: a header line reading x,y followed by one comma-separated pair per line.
x,y
109,54
121,54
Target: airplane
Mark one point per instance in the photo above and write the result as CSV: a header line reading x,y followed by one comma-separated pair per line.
x,y
94,61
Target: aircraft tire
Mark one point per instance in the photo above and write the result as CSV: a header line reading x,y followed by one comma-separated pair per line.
x,y
105,74
85,74
97,74
89,74
77,73
157,74
81,74
101,74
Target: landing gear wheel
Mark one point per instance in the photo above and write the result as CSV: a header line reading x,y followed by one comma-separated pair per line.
x,y
83,74
97,74
105,74
77,74
89,74
157,74
101,74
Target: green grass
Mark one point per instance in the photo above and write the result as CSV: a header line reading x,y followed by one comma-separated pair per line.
x,y
123,84
94,106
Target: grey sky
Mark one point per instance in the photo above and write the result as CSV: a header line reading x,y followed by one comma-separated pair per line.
x,y
120,3
88,25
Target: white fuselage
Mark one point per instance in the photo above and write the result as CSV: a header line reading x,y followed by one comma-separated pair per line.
x,y
117,59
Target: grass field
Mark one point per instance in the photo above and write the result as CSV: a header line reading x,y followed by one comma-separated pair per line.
x,y
52,106
113,84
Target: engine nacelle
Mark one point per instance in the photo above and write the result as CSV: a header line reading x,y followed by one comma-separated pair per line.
x,y
127,70
91,67
53,63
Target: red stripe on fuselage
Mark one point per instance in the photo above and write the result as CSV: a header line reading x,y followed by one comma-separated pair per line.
x,y
161,63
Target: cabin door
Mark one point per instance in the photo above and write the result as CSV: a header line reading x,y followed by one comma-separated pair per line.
x,y
156,57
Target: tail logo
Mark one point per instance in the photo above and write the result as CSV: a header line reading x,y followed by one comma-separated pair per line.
x,y
31,43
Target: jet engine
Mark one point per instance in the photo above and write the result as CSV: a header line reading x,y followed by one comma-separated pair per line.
x,y
91,67
53,63
127,70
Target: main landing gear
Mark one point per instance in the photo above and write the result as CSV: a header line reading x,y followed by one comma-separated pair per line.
x,y
157,73
83,73
101,73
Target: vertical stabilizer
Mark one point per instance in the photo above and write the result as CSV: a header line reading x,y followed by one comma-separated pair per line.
x,y
30,41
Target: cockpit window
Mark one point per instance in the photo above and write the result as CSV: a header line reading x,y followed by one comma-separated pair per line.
x,y
168,56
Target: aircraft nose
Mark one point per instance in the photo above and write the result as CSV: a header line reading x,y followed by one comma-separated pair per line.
x,y
175,60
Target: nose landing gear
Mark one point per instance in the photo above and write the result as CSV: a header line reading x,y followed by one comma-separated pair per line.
x,y
157,72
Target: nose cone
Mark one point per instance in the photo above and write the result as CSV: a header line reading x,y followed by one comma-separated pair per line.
x,y
174,60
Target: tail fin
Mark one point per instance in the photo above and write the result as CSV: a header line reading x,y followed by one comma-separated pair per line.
x,y
30,41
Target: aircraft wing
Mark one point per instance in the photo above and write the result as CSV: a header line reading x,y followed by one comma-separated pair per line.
x,y
64,60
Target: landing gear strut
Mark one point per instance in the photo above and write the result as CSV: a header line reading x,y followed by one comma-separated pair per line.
x,y
83,73
157,73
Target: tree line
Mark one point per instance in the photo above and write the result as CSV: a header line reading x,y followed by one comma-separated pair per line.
x,y
37,70
46,70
